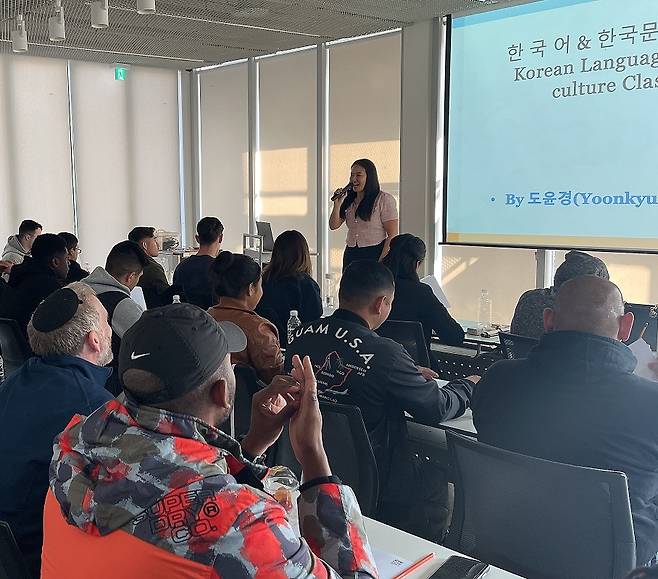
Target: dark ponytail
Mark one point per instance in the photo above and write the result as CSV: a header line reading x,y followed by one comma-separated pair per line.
x,y
370,193
232,273
405,252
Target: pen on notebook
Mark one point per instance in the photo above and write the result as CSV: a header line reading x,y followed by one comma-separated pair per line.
x,y
409,570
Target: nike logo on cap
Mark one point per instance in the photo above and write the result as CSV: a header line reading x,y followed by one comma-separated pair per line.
x,y
134,356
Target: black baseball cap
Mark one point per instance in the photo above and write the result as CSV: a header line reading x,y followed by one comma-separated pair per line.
x,y
181,344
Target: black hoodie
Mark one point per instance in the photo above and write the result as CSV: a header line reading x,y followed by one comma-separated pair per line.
x,y
29,284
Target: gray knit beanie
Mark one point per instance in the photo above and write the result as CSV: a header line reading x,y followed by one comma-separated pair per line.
x,y
577,263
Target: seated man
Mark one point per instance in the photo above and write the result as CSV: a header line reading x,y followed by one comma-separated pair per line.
x,y
71,339
76,273
123,268
19,246
193,273
156,288
576,400
354,365
35,279
528,317
153,489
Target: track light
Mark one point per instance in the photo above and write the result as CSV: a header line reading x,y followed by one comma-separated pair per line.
x,y
100,14
146,6
19,35
56,29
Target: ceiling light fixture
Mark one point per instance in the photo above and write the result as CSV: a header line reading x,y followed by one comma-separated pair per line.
x,y
19,35
56,30
100,17
146,6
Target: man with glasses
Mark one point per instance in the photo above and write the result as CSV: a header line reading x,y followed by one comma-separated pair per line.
x,y
76,273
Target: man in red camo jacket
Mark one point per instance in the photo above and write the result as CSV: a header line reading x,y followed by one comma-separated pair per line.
x,y
151,488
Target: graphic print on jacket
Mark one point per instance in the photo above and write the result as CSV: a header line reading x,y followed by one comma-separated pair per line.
x,y
332,375
140,492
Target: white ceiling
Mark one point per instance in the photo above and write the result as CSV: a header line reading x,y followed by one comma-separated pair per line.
x,y
192,33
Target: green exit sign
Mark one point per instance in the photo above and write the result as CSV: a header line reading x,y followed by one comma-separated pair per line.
x,y
120,73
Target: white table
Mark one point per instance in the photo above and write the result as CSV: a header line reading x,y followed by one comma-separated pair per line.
x,y
412,548
463,423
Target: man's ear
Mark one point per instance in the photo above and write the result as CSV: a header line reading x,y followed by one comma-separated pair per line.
x,y
625,326
378,305
220,395
549,320
93,342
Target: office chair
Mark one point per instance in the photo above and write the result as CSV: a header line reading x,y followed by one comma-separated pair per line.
x,y
14,348
515,347
12,565
450,366
538,518
246,385
410,335
348,449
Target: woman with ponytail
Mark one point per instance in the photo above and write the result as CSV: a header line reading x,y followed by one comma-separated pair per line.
x,y
236,281
415,301
370,213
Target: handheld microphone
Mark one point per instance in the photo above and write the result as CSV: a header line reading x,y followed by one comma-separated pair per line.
x,y
347,189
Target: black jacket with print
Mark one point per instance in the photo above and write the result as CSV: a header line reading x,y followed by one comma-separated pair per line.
x,y
354,365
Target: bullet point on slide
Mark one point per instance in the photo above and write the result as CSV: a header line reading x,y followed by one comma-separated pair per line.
x,y
493,199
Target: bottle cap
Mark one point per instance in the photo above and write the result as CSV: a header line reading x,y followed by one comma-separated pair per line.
x,y
293,312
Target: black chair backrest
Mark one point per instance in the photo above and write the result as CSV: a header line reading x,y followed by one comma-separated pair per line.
x,y
411,336
538,518
12,565
645,324
515,347
14,348
246,385
348,449
450,366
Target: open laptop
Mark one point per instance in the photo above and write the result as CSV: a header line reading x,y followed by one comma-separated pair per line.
x,y
264,229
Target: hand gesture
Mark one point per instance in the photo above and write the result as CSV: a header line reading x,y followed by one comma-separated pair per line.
x,y
271,408
306,423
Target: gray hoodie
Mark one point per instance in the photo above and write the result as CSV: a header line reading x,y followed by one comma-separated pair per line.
x,y
127,311
14,251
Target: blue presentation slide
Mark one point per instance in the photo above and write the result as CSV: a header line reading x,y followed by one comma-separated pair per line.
x,y
553,126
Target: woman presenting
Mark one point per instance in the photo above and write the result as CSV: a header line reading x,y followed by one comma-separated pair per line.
x,y
371,214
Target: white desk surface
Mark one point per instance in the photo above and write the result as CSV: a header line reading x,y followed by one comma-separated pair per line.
x,y
412,548
464,422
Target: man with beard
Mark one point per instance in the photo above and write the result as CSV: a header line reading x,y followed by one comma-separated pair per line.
x,y
71,339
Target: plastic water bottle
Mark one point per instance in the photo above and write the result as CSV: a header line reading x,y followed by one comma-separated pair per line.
x,y
2,370
176,299
293,323
484,311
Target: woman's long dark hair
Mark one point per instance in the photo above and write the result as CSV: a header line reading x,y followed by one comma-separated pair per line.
x,y
290,257
370,192
232,273
405,252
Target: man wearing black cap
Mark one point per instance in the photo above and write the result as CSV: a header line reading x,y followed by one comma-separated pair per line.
x,y
71,338
151,488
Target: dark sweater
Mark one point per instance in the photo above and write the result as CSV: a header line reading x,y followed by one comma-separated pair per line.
x,y
29,284
576,400
36,404
415,302
299,293
76,273
193,275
